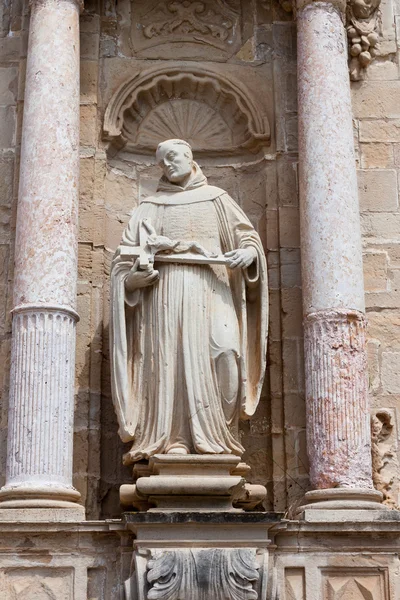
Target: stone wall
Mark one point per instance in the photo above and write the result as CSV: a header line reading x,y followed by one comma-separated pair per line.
x,y
261,54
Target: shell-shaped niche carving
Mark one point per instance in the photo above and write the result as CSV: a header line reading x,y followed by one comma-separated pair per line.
x,y
213,113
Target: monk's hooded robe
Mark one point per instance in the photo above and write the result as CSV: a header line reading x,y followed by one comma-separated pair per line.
x,y
167,339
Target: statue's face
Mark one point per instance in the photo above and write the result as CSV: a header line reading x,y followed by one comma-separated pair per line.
x,y
176,163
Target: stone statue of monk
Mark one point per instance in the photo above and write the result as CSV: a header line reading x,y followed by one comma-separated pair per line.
x,y
188,341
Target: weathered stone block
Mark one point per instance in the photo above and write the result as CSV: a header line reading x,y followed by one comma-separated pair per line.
x,y
89,23
6,181
88,125
291,362
287,183
272,242
8,85
376,99
377,190
391,372
386,70
380,131
373,349
290,276
89,78
375,271
89,45
296,451
10,49
289,227
7,126
383,225
274,316
292,320
86,202
295,411
376,155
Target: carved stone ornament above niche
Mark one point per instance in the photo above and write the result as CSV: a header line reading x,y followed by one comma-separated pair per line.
x,y
212,23
214,113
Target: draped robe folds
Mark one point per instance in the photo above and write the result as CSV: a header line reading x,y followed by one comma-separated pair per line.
x,y
167,339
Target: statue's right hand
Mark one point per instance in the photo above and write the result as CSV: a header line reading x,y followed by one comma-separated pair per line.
x,y
141,278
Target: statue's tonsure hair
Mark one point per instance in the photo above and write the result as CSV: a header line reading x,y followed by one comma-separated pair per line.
x,y
163,146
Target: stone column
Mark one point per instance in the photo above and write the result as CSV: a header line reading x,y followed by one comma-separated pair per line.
x,y
40,428
338,419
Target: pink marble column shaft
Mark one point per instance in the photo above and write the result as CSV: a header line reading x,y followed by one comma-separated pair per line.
x,y
338,429
40,432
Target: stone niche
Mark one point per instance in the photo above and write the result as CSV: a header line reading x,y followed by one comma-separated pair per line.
x,y
213,112
232,96
224,112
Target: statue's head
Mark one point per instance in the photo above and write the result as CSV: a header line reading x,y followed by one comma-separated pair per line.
x,y
175,159
363,9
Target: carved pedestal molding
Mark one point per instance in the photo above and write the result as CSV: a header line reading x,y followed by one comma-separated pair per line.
x,y
198,482
40,428
333,291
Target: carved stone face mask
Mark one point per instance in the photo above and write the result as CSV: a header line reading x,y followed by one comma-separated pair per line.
x,y
176,162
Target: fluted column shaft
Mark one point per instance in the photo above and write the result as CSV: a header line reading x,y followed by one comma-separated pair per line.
x,y
333,291
40,429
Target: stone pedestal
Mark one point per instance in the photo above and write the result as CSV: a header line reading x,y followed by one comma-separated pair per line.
x,y
40,422
198,555
193,538
338,419
200,482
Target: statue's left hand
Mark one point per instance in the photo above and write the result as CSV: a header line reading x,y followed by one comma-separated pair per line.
x,y
243,257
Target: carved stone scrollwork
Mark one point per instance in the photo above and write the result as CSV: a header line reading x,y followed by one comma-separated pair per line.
x,y
214,113
189,17
212,23
203,573
363,24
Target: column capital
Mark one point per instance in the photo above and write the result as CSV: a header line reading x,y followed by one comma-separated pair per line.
x,y
339,5
362,21
33,4
296,6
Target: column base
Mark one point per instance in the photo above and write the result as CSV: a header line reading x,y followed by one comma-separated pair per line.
x,y
342,499
53,514
23,495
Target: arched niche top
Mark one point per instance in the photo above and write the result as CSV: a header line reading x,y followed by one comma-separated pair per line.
x,y
214,113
